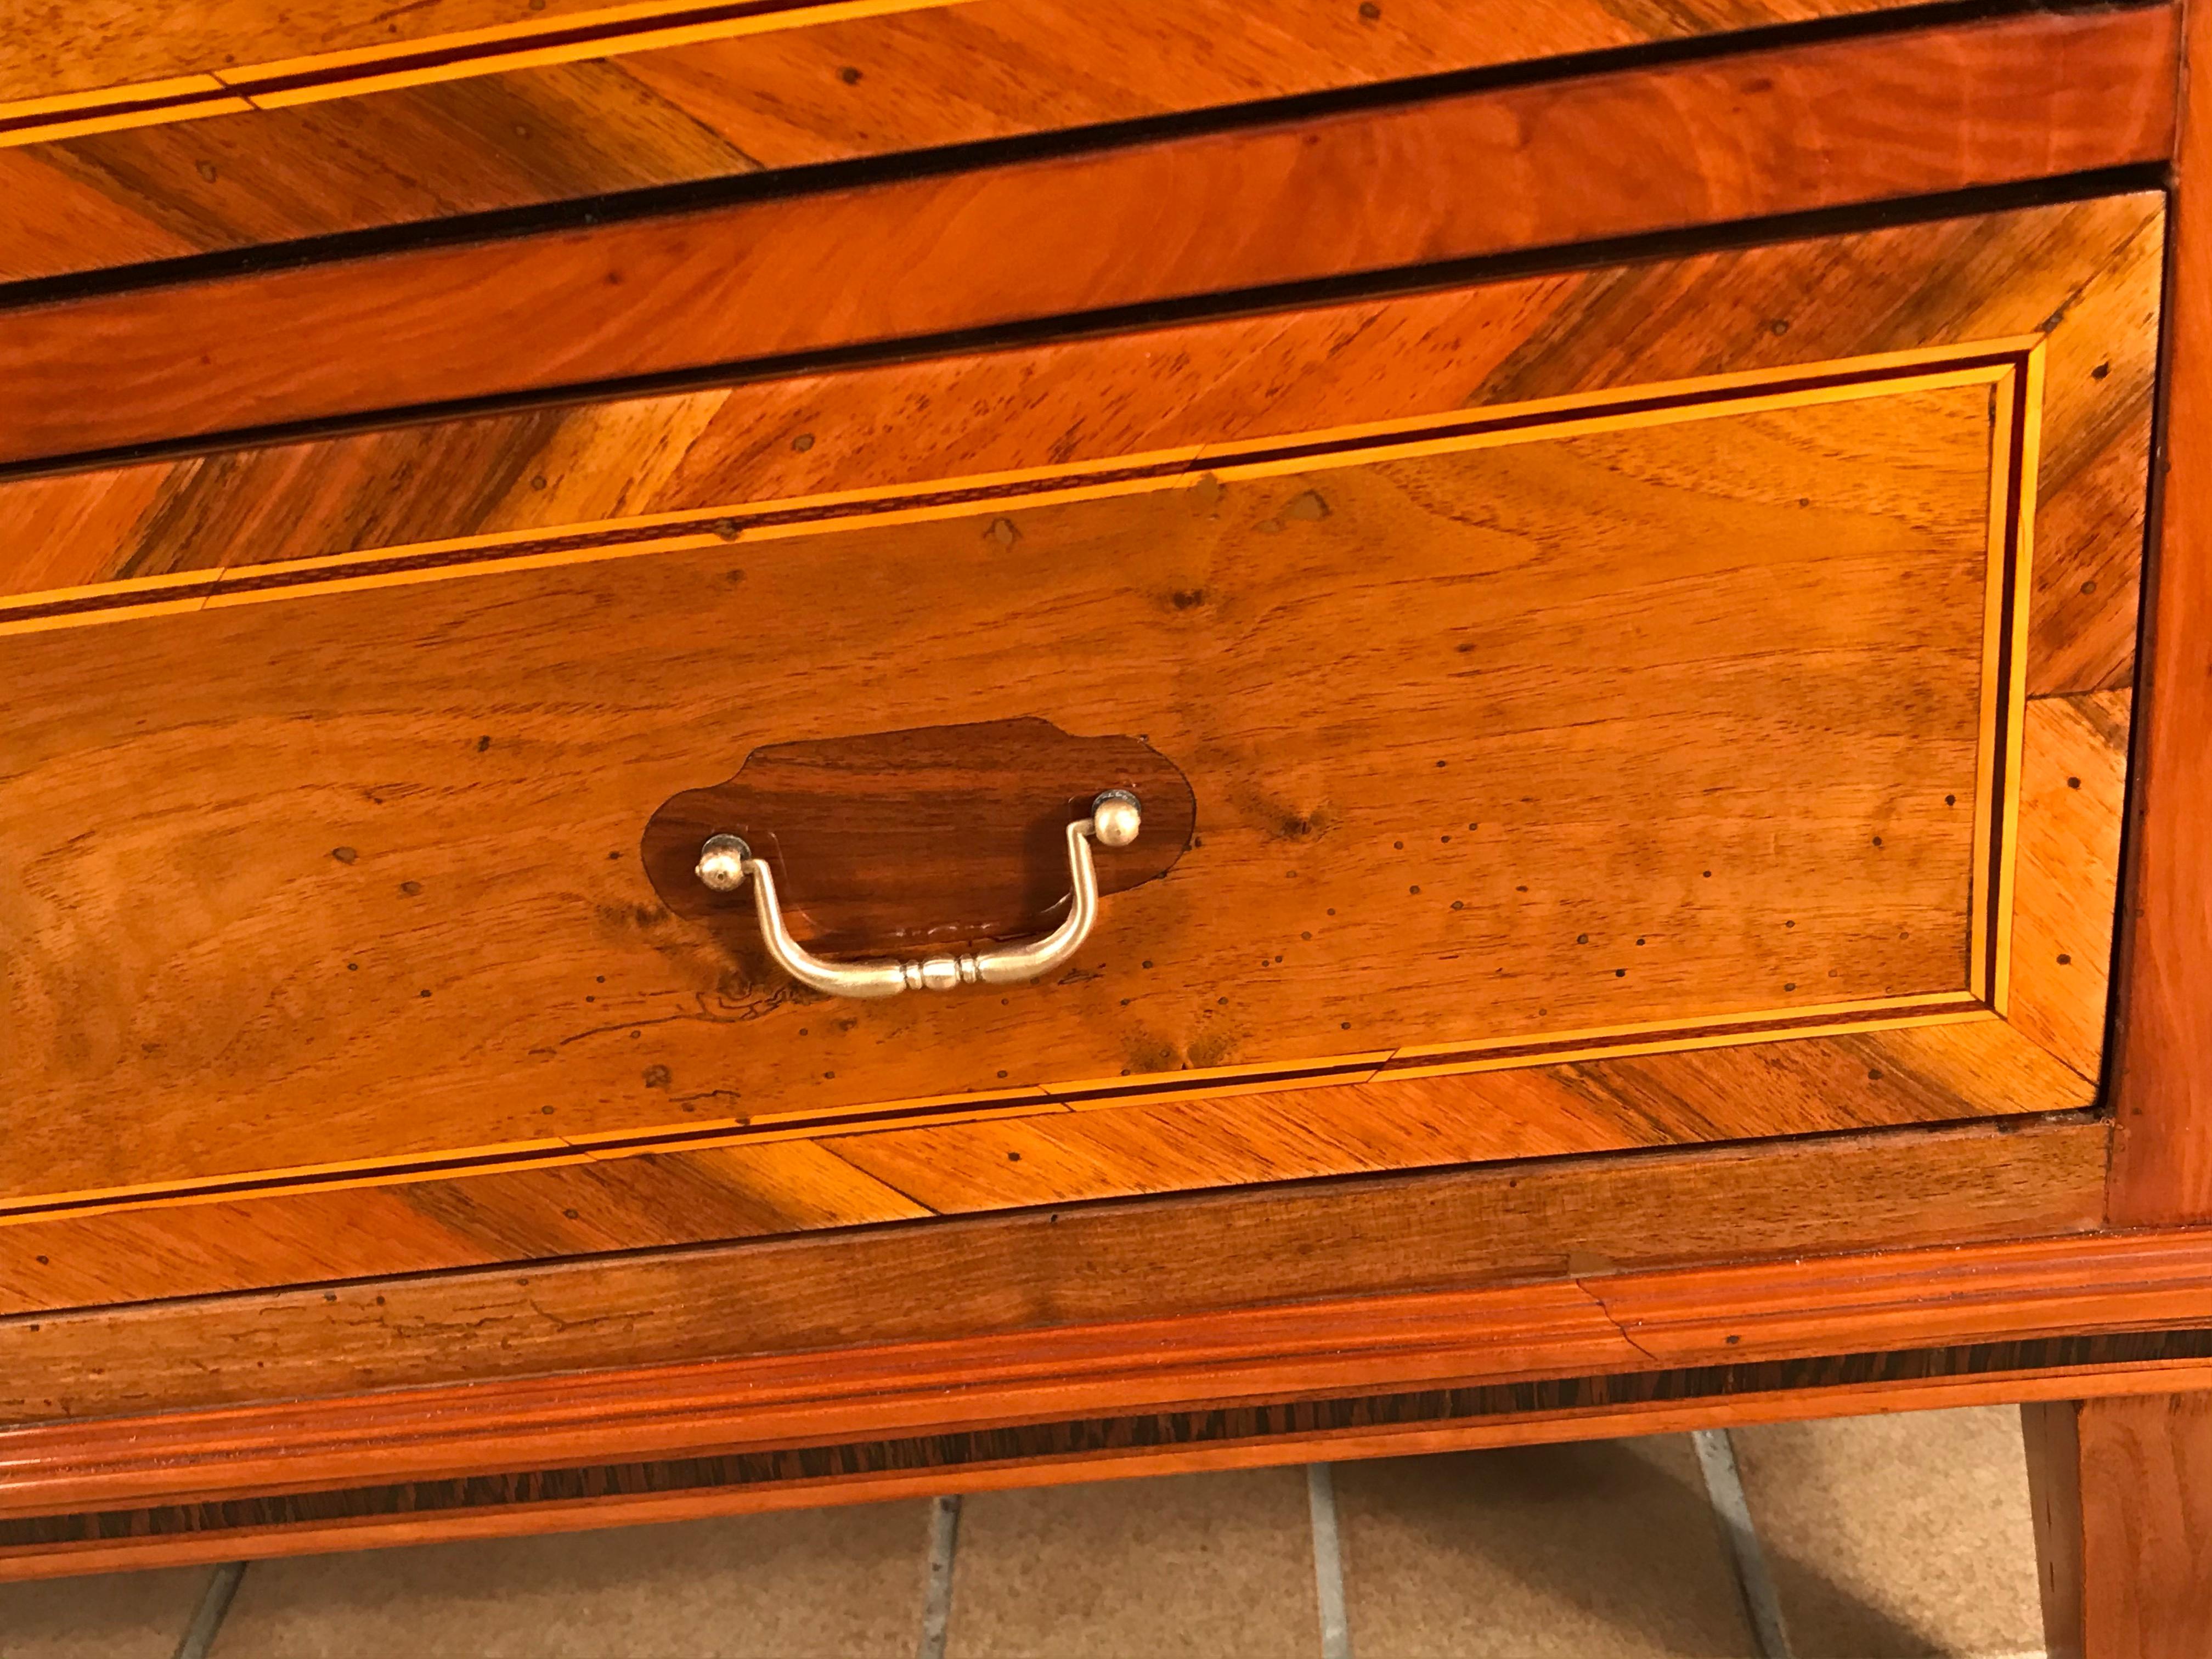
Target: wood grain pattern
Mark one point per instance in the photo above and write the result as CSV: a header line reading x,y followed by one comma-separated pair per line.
x,y
2118,1488
50,52
1032,1454
1551,765
2093,265
2162,1087
1763,133
1186,1258
794,1177
1605,1319
524,129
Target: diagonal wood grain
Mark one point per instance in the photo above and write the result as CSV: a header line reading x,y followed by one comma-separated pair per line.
x,y
1759,134
2072,796
521,134
772,1185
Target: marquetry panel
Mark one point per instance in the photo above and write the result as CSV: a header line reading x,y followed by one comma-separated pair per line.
x,y
1745,445
143,132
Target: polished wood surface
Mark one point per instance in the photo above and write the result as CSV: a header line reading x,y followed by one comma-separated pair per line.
x,y
1186,1259
684,1171
1790,129
1336,1429
962,1158
441,113
2162,1082
932,839
69,57
2119,1488
1546,762
2106,1313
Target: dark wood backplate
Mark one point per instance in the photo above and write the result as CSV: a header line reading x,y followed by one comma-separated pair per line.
x,y
845,823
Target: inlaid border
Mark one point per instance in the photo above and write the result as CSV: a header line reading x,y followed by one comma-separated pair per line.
x,y
2012,368
605,32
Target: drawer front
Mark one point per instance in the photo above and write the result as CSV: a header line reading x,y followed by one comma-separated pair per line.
x,y
1661,704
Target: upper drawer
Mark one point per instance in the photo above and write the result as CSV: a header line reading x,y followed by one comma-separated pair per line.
x,y
159,132
1720,662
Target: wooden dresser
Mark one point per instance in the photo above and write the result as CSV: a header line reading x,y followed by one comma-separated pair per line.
x,y
763,753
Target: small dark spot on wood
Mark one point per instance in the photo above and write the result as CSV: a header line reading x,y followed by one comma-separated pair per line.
x,y
352,967
572,1215
2073,783
1733,1340
590,999
546,1110
2100,371
1709,875
828,1073
1400,845
1458,904
422,994
1013,1158
1444,762
1221,1001
538,482
1148,964
612,856
1640,941
1004,532
1791,986
656,1077
1581,939
1412,889
1002,1074
1370,10
483,744
1332,913
1464,648
410,888
1875,1075
1786,924
2066,961
1125,1002
1950,801
1779,326
849,76
803,442
1621,973
1184,598
205,169
1877,841
1308,506
602,979
1521,890
344,854
2089,587
1301,936
1344,1025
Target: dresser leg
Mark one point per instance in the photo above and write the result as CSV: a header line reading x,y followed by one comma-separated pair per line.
x,y
2123,1494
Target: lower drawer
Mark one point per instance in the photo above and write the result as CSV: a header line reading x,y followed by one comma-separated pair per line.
x,y
1611,707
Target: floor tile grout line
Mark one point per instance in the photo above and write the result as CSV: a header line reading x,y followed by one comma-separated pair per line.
x,y
1328,1561
1731,1506
198,1639
937,1594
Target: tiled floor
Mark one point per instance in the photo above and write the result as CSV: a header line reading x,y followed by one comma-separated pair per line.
x,y
1886,1538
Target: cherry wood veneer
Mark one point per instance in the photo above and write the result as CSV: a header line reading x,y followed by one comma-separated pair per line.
x,y
418,1384
232,138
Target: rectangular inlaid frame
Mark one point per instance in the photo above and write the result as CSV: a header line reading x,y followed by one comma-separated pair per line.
x,y
2012,369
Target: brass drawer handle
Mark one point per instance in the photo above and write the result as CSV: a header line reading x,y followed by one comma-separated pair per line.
x,y
725,861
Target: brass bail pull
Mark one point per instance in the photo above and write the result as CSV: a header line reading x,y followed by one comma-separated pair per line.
x,y
725,862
